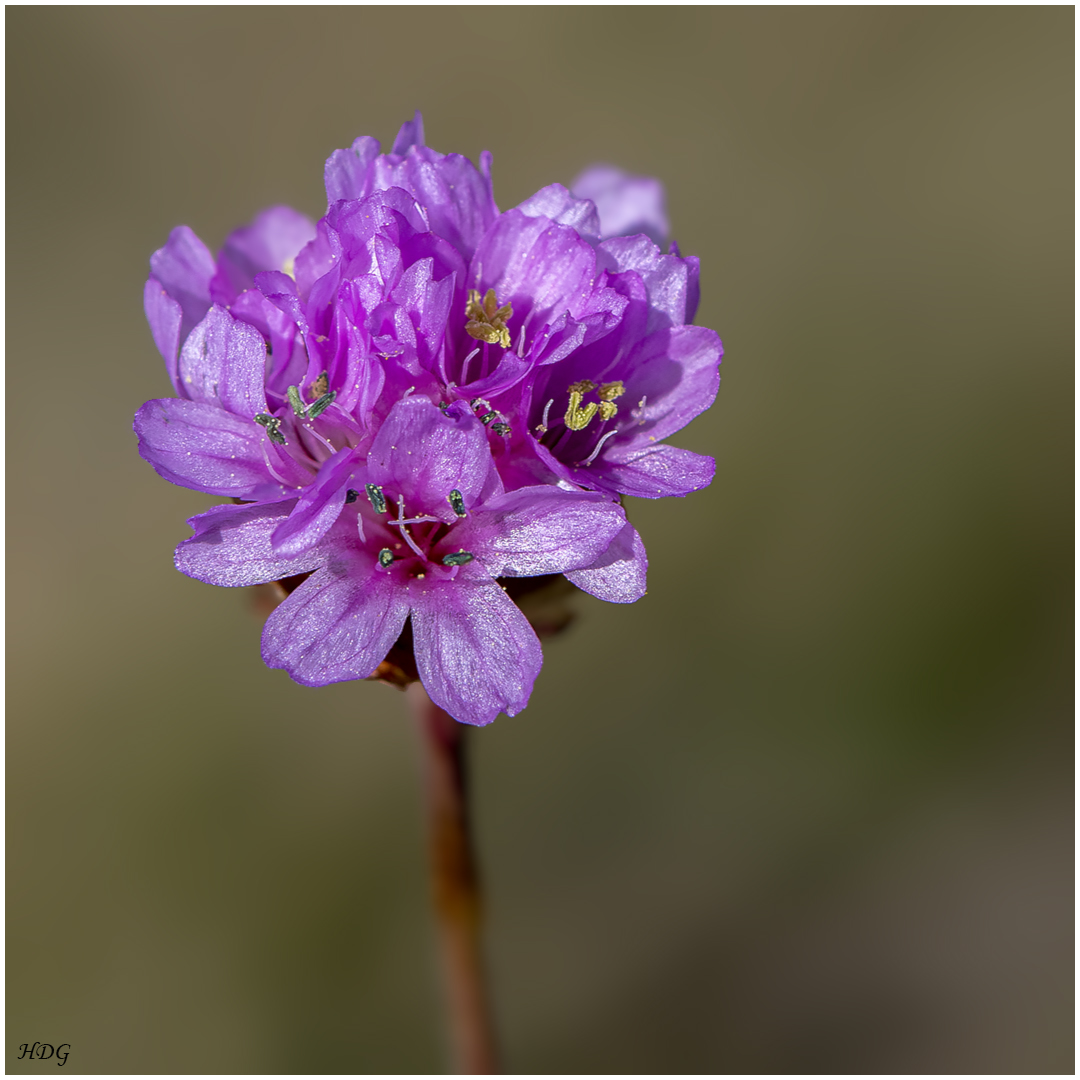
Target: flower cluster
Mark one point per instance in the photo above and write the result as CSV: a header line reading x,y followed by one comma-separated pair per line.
x,y
419,395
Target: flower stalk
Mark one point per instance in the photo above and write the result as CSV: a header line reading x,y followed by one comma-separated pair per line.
x,y
455,887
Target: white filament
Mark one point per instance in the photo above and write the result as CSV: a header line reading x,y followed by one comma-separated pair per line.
x,y
603,439
402,521
465,365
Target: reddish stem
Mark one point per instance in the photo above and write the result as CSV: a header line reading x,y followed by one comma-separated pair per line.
x,y
455,886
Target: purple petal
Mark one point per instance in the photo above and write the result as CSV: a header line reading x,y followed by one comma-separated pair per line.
x,y
164,315
411,134
231,546
559,205
223,362
424,453
288,359
455,195
318,507
540,268
476,653
626,204
184,267
605,352
317,258
459,200
659,471
676,373
350,225
271,242
693,292
671,282
201,446
509,371
346,170
618,575
539,530
280,290
557,340
339,624
426,302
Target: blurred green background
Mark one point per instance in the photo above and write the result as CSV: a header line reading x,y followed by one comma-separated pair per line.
x,y
804,808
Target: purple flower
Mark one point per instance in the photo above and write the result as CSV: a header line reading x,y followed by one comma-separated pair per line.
x,y
423,535
574,303
185,279
457,197
418,395
626,204
607,366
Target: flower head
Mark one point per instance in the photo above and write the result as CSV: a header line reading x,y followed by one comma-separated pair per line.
x,y
419,395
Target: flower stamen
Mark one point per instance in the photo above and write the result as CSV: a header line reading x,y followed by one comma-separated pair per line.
x,y
487,320
376,498
465,365
317,408
543,425
578,418
273,428
457,503
401,521
457,558
314,410
607,395
596,450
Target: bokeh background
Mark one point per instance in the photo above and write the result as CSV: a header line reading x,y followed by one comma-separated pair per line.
x,y
804,808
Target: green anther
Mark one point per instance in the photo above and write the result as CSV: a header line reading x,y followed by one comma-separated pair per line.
x,y
319,407
386,557
500,428
273,428
296,402
488,417
457,503
457,558
376,498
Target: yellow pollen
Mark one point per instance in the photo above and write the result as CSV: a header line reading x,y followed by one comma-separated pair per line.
x,y
577,418
487,321
582,387
608,409
610,391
